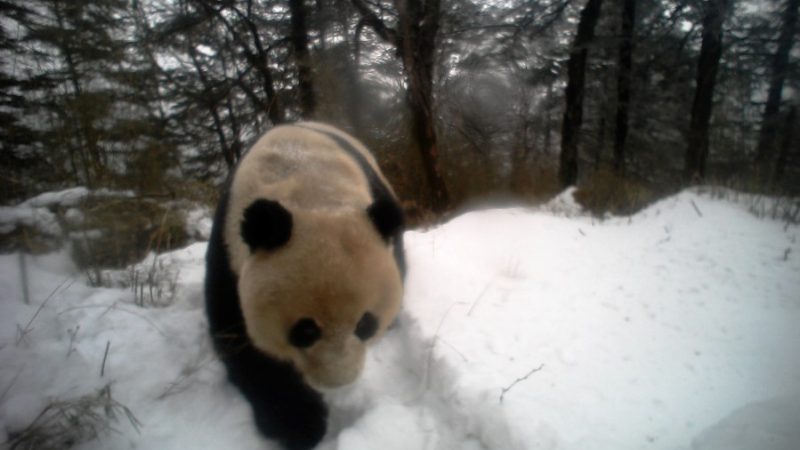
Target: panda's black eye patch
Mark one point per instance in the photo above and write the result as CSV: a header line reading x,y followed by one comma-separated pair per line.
x,y
367,326
267,225
304,333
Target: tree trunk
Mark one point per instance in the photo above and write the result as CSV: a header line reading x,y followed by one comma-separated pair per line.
x,y
707,67
576,75
624,70
780,65
299,38
418,26
415,41
786,145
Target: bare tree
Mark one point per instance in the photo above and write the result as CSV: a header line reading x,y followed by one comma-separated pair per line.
x,y
780,66
576,77
299,38
786,145
624,69
414,39
707,67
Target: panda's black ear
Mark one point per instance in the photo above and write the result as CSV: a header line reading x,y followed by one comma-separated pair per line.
x,y
387,217
267,225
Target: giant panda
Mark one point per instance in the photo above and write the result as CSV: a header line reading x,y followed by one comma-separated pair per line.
x,y
304,270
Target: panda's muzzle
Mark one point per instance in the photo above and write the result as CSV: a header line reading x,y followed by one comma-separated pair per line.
x,y
334,362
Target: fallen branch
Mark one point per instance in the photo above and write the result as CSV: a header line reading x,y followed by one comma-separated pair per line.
x,y
190,369
105,356
10,385
475,302
73,333
697,210
506,389
23,274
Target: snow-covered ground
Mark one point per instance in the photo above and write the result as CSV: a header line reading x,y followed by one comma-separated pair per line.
x,y
677,328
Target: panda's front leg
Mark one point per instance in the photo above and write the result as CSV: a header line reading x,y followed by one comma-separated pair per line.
x,y
284,406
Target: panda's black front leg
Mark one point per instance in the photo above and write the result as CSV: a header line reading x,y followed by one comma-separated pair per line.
x,y
284,406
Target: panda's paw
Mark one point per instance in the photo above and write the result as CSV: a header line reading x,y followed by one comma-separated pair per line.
x,y
298,420
294,432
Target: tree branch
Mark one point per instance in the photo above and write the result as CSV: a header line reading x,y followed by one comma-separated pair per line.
x,y
506,389
369,18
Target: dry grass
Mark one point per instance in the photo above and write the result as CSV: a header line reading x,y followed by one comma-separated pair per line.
x,y
771,205
537,184
606,192
67,423
121,231
153,285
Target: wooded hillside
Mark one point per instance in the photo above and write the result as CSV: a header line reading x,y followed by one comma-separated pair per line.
x,y
626,99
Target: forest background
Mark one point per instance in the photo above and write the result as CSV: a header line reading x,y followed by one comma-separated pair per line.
x,y
627,100
120,121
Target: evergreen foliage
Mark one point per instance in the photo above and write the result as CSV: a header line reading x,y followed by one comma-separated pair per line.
x,y
457,98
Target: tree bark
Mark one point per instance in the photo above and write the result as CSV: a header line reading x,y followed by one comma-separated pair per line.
x,y
299,38
780,65
576,76
415,41
624,70
786,145
418,26
702,106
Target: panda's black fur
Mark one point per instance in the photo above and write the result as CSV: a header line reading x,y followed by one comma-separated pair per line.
x,y
285,407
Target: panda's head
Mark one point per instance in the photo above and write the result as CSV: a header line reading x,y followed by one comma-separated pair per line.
x,y
318,287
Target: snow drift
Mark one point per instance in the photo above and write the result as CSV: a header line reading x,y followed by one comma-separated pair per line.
x,y
522,329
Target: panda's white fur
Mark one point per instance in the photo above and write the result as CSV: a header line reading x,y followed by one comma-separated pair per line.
x,y
304,170
335,267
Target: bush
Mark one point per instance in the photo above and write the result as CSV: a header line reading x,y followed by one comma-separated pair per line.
x,y
117,232
604,192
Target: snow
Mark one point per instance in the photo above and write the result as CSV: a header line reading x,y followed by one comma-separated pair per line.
x,y
35,212
522,328
199,223
67,197
39,219
72,197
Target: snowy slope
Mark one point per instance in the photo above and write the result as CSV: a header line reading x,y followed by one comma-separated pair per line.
x,y
523,328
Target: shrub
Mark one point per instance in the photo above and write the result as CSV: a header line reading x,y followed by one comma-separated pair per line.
x,y
121,231
603,191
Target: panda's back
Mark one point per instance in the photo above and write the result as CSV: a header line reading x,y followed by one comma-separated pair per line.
x,y
307,166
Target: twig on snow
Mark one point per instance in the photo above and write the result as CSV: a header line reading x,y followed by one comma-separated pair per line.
x,y
22,332
115,307
23,274
10,385
190,369
475,302
453,348
73,333
506,389
697,210
105,356
435,339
